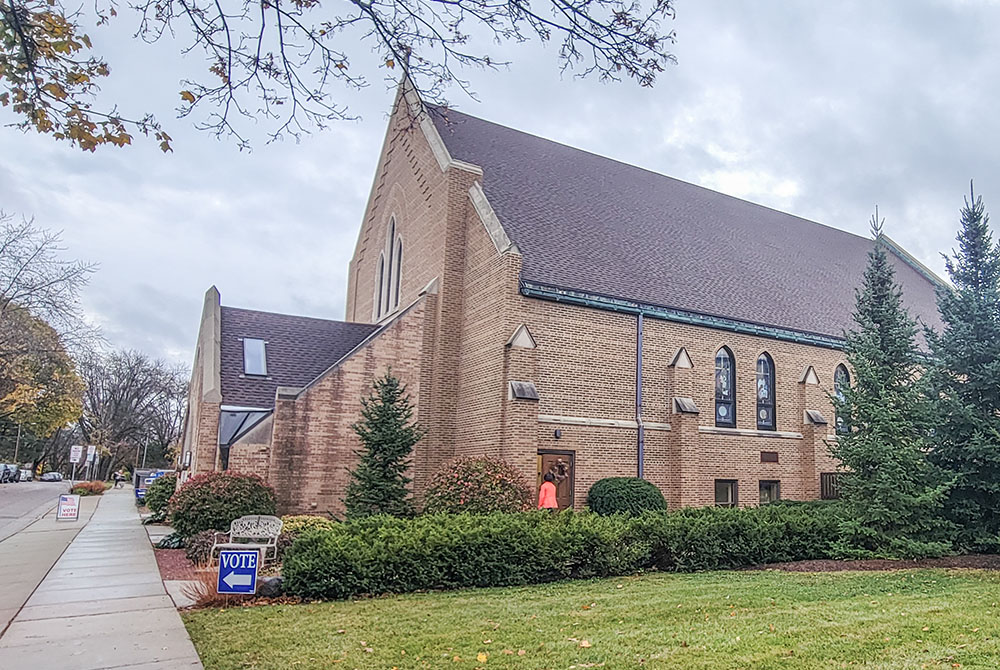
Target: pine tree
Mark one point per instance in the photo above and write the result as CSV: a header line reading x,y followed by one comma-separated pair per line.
x,y
892,492
379,483
967,378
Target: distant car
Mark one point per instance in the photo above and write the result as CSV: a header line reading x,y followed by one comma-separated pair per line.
x,y
10,473
52,477
27,475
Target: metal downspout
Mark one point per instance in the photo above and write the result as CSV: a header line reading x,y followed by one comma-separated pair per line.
x,y
640,457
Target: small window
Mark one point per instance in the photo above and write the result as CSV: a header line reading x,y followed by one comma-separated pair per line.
x,y
828,489
765,392
841,381
725,492
770,491
725,393
254,357
769,457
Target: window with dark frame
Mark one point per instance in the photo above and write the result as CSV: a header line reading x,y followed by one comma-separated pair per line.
x,y
769,457
379,285
765,392
392,249
770,491
828,489
725,391
841,381
254,357
725,493
397,273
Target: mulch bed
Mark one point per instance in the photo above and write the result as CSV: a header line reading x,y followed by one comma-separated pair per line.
x,y
174,564
977,562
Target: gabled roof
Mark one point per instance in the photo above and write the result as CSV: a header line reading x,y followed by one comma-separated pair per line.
x,y
591,224
298,350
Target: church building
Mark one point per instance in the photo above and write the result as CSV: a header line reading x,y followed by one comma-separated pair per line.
x,y
559,310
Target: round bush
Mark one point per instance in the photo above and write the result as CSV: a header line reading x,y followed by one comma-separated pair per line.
x,y
628,495
212,500
158,493
477,486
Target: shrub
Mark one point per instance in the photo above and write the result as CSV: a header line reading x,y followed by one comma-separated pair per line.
x,y
627,495
299,522
199,547
477,486
94,488
158,493
441,551
212,500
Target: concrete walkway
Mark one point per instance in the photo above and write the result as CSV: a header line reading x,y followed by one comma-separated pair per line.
x,y
102,605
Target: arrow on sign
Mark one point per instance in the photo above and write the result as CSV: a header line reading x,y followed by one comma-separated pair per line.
x,y
232,580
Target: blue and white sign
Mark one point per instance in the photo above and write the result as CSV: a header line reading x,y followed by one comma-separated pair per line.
x,y
238,571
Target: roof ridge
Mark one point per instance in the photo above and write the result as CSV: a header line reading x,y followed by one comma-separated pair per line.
x,y
442,112
297,316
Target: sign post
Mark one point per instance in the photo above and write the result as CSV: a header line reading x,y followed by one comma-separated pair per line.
x,y
69,508
75,452
91,450
238,571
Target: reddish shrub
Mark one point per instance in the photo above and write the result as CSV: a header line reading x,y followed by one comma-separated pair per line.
x,y
94,488
478,486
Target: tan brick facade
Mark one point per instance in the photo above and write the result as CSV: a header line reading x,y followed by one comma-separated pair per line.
x,y
459,305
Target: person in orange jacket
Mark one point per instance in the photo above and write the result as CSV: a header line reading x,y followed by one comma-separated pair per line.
x,y
547,493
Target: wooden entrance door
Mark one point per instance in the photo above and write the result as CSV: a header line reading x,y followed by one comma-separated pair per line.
x,y
560,465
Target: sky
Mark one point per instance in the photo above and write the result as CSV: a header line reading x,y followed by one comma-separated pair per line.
x,y
823,110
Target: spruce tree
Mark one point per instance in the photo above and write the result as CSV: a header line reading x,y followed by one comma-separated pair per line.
x,y
379,483
967,381
893,494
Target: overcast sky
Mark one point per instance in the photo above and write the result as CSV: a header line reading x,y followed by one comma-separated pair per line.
x,y
820,109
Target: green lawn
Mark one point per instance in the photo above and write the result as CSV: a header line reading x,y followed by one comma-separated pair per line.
x,y
719,620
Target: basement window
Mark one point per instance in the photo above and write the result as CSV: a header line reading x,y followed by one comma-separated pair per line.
x,y
725,492
254,357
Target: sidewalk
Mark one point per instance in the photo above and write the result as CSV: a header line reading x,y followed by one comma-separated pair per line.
x,y
102,605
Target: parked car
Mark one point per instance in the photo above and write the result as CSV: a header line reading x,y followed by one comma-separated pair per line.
x,y
52,477
27,475
10,473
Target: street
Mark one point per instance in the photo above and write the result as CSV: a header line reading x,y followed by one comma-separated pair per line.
x,y
20,503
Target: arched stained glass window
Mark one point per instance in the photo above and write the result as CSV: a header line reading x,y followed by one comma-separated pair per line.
x,y
725,388
397,273
841,381
391,265
379,285
765,392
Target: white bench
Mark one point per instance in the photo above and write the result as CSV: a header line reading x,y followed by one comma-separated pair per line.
x,y
257,531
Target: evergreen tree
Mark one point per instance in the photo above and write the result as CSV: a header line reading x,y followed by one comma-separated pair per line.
x,y
379,483
893,493
967,379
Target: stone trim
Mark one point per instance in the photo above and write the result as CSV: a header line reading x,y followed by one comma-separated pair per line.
x,y
490,221
433,137
599,423
742,432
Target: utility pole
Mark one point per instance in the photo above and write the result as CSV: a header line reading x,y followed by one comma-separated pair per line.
x,y
17,444
145,448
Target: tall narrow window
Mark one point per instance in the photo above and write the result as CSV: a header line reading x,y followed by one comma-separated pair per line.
x,y
397,273
725,392
392,248
765,392
254,357
379,285
841,381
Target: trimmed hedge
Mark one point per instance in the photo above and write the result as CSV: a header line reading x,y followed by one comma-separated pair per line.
x,y
445,551
477,486
94,488
624,495
158,493
212,500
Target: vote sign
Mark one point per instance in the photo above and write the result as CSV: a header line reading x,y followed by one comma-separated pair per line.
x,y
68,508
238,571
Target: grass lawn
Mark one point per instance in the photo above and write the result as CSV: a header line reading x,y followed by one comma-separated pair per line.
x,y
719,620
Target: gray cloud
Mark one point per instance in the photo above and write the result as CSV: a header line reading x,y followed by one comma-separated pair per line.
x,y
820,109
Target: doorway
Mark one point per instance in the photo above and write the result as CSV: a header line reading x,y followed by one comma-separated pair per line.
x,y
560,464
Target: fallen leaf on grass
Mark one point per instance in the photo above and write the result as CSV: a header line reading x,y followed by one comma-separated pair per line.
x,y
585,644
482,656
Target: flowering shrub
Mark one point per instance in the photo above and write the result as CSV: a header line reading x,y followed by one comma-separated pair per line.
x,y
212,500
477,486
624,495
159,492
88,488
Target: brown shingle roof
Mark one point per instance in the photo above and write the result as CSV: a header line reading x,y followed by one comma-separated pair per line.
x,y
596,225
299,348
